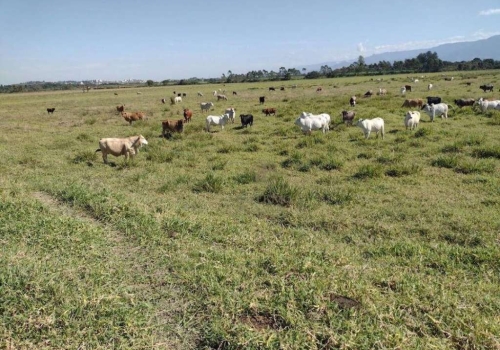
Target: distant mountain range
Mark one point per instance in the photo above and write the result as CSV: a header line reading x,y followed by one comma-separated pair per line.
x,y
455,52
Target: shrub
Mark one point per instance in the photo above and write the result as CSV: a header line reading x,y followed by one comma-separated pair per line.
x,y
279,192
335,197
331,164
449,162
219,165
403,170
294,159
490,152
478,167
210,183
246,177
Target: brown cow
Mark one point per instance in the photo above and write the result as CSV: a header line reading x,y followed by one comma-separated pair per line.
x,y
348,117
269,111
319,89
169,126
408,88
187,115
120,108
132,117
413,102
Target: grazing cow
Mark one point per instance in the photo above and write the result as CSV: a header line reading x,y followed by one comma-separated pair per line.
x,y
462,102
175,93
127,147
262,99
205,106
412,118
352,101
415,80
369,93
368,125
170,126
246,119
215,93
485,88
217,120
269,111
184,94
408,88
308,122
231,112
403,90
382,91
485,104
272,89
413,102
132,117
188,114
51,110
433,110
116,93
163,101
179,94
282,88
431,99
200,94
429,87
177,99
319,89
120,109
221,97
448,79
235,93
348,117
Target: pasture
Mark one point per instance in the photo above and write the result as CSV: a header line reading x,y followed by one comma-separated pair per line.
x,y
256,237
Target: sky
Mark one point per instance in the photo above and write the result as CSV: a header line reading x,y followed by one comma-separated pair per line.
x,y
55,40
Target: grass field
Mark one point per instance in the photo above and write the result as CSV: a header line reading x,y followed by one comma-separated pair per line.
x,y
256,238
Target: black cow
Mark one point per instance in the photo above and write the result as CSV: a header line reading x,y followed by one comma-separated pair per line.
x,y
262,99
235,93
272,89
282,88
462,102
408,88
184,94
50,110
179,94
246,119
485,88
434,100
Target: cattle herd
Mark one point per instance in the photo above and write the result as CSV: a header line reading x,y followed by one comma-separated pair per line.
x,y
308,122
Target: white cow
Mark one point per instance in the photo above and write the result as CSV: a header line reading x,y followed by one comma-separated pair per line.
x,y
205,106
322,115
309,122
412,119
403,90
177,99
217,120
485,104
127,147
231,112
415,80
429,87
215,92
438,109
369,125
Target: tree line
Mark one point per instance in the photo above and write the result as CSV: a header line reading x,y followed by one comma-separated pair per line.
x,y
427,62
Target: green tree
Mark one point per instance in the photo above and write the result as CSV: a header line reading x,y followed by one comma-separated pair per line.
x,y
150,83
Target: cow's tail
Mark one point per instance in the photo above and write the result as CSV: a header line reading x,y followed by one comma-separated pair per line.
x,y
98,150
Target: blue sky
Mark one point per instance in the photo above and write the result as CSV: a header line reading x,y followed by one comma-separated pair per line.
x,y
55,40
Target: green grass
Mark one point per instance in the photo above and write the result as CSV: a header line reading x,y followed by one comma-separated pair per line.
x,y
257,238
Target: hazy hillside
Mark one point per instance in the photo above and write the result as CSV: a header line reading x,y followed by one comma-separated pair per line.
x,y
463,51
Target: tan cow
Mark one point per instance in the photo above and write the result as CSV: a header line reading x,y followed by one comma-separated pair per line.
x,y
413,102
132,117
169,126
128,146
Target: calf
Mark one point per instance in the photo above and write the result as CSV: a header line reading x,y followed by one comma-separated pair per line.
x,y
429,87
461,102
431,99
188,114
262,99
132,117
412,118
246,119
221,97
127,147
413,102
205,106
433,110
269,111
403,90
485,88
352,101
217,120
231,112
170,126
369,125
348,117
51,110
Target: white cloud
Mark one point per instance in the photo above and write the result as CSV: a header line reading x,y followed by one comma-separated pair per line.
x,y
490,12
361,48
